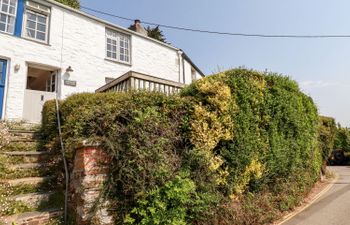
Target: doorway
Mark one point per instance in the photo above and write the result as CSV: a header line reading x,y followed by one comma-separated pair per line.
x,y
41,87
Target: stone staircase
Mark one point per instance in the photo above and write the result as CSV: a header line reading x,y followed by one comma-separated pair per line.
x,y
30,191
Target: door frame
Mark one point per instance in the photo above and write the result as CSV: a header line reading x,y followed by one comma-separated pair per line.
x,y
5,71
54,69
29,112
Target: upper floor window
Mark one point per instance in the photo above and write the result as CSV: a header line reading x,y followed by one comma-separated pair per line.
x,y
117,46
36,24
8,10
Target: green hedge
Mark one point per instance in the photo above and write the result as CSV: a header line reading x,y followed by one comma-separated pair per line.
x,y
327,135
342,138
225,150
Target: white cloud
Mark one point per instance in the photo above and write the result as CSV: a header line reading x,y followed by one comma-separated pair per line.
x,y
322,84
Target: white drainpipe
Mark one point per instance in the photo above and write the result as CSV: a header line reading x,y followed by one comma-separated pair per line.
x,y
179,53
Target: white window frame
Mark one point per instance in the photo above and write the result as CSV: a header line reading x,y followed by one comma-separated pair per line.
x,y
51,82
8,14
38,11
118,37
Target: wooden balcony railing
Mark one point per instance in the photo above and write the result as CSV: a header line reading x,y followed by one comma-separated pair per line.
x,y
137,81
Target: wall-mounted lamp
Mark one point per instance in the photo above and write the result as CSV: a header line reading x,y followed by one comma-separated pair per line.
x,y
69,69
17,67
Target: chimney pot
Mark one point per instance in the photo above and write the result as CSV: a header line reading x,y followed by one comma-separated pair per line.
x,y
138,27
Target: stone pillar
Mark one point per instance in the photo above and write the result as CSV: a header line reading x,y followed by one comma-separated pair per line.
x,y
90,170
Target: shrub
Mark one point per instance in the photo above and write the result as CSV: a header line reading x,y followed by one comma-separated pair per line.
x,y
272,125
247,142
342,139
327,135
165,205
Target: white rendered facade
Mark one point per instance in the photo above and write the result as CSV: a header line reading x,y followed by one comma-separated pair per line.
x,y
74,40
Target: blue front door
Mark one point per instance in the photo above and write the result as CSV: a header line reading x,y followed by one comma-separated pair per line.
x,y
3,64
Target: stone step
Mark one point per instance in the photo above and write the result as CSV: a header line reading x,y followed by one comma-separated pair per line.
x,y
33,218
34,199
27,181
17,171
26,153
23,133
20,146
23,126
24,166
21,139
29,156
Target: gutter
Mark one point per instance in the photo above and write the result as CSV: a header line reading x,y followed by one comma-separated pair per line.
x,y
179,54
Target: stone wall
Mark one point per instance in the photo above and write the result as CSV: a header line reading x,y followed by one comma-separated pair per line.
x,y
89,173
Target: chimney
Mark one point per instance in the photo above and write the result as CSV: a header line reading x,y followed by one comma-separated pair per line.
x,y
137,27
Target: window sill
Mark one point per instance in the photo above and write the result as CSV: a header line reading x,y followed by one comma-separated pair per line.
x,y
118,62
24,38
36,41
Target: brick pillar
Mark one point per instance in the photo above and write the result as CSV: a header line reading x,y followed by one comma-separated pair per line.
x,y
89,173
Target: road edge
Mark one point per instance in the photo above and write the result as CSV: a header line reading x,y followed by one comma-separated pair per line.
x,y
317,196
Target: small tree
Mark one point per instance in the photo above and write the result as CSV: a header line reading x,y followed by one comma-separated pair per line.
x,y
156,33
327,134
342,140
72,3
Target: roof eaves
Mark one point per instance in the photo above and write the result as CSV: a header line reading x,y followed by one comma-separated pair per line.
x,y
185,56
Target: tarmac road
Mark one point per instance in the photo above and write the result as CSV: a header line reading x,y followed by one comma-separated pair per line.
x,y
333,208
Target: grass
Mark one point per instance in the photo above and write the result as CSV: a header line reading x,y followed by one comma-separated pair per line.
x,y
56,221
21,173
7,173
26,188
20,146
22,126
10,207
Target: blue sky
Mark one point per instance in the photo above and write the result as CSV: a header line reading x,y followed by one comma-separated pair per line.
x,y
321,66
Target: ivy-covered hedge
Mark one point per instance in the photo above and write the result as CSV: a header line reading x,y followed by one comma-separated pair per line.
x,y
227,150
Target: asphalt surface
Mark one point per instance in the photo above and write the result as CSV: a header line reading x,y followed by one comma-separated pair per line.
x,y
333,208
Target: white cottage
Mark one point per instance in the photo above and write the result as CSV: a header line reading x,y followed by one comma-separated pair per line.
x,y
48,48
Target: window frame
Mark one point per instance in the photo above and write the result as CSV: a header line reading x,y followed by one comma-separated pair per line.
x,y
36,12
120,36
51,82
8,15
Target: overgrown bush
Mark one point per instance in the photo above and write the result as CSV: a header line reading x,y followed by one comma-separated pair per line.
x,y
342,139
228,149
327,135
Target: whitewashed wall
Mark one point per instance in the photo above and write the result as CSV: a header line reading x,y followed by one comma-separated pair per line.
x,y
79,41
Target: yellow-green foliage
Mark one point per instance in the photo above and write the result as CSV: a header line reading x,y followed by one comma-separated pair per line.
x,y
244,139
211,123
253,171
211,120
273,136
